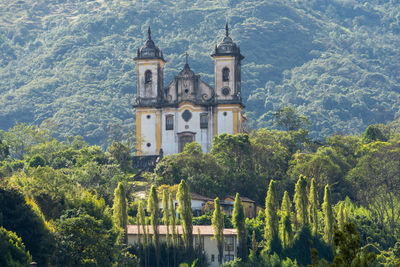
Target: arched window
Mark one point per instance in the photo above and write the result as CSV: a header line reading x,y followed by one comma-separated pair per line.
x,y
225,75
148,76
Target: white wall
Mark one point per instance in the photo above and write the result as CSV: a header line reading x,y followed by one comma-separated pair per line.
x,y
148,133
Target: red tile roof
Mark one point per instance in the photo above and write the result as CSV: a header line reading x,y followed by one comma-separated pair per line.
x,y
196,196
244,199
162,229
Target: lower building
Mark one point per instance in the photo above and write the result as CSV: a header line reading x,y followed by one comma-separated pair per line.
x,y
207,242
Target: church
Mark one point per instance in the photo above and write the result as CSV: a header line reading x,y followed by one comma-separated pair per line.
x,y
187,110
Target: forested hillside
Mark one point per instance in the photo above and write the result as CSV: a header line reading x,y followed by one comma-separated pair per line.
x,y
69,63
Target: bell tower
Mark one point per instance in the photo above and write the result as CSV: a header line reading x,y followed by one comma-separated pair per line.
x,y
150,76
227,72
150,72
228,113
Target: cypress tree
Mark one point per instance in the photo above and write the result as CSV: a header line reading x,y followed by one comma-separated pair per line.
x,y
165,211
328,216
313,207
238,220
185,211
173,225
271,231
172,219
152,207
286,221
120,214
301,201
141,216
341,216
217,222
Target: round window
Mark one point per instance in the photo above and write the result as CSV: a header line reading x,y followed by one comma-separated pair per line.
x,y
186,115
225,91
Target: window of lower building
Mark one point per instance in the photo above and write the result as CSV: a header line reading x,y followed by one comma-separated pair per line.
x,y
229,241
197,244
169,122
203,121
229,258
212,257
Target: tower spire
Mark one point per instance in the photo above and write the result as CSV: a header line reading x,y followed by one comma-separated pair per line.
x,y
186,58
226,29
149,33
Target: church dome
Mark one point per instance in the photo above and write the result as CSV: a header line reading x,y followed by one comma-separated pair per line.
x,y
227,46
149,50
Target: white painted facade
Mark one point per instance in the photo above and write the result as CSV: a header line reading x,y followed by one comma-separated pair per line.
x,y
187,110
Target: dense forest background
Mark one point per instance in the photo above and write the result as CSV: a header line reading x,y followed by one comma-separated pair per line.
x,y
69,63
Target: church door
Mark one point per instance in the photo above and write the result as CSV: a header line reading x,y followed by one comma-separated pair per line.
x,y
184,139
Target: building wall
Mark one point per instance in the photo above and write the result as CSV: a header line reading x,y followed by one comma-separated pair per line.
x,y
210,246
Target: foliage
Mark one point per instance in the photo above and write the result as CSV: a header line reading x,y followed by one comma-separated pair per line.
x,y
37,161
13,252
83,240
313,208
153,209
120,215
271,232
238,220
301,201
18,216
218,228
185,212
329,219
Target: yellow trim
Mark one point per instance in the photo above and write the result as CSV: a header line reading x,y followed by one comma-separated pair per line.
x,y
138,133
229,105
226,58
189,106
158,132
215,123
235,122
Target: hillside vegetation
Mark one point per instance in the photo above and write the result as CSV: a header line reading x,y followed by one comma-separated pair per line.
x,y
69,63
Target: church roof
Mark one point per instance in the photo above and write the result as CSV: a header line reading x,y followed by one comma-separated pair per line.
x,y
227,46
149,50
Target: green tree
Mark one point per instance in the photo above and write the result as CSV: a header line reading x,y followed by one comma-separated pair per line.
x,y
373,133
328,216
37,161
301,201
172,219
22,137
121,153
271,232
4,150
288,119
153,208
341,217
286,221
141,221
166,212
238,220
186,214
16,214
83,240
13,251
313,207
218,227
348,251
120,214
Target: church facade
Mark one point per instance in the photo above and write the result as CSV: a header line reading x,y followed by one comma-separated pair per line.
x,y
187,110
